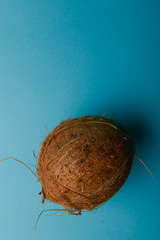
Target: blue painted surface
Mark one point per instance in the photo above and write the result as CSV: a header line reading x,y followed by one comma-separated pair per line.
x,y
62,59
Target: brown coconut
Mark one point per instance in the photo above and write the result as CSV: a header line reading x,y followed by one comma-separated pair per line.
x,y
83,162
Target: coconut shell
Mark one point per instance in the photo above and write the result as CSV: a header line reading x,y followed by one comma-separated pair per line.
x,y
83,162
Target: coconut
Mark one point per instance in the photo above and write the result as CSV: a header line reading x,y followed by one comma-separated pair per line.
x,y
83,162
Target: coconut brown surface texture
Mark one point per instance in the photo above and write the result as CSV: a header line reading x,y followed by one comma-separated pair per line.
x,y
83,162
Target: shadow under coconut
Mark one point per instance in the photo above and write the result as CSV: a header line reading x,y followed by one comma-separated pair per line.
x,y
143,142
135,123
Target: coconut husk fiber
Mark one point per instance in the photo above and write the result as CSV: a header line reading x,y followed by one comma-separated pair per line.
x,y
83,162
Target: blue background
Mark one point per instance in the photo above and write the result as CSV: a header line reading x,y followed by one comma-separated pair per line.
x,y
62,59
